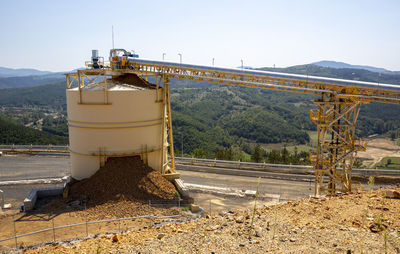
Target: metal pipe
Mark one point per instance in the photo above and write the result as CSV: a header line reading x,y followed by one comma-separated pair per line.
x,y
264,73
2,199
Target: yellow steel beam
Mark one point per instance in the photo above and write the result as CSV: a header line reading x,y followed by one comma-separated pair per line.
x,y
348,92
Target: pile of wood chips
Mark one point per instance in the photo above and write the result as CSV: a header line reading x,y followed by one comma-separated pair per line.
x,y
121,188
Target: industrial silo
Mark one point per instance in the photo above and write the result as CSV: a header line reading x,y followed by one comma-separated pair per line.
x,y
119,115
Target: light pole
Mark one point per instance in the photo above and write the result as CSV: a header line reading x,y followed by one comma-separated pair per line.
x,y
213,62
180,57
241,60
163,55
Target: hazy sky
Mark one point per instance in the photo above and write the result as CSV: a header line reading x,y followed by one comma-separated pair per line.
x,y
59,35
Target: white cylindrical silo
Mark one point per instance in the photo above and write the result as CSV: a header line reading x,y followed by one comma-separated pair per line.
x,y
119,120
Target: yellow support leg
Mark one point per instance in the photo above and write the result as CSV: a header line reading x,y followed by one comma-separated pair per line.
x,y
337,145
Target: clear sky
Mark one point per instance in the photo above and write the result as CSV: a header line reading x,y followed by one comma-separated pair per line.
x,y
59,35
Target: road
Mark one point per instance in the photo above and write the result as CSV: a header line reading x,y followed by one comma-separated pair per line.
x,y
241,172
23,167
35,167
288,187
285,188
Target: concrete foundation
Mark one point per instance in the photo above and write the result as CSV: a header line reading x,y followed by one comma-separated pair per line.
x,y
34,194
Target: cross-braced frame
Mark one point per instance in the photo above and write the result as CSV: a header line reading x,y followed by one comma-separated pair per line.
x,y
337,146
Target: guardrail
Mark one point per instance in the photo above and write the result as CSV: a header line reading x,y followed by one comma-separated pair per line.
x,y
266,167
276,168
34,148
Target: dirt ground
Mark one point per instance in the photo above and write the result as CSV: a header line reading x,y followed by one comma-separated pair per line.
x,y
378,149
365,222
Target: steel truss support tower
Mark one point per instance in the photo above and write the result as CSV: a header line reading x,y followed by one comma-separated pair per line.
x,y
167,136
337,143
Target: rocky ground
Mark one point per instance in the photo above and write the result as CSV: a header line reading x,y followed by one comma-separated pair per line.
x,y
365,222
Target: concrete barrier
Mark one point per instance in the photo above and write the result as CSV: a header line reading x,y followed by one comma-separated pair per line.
x,y
34,194
183,190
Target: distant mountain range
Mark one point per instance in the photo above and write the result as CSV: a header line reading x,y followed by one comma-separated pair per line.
x,y
9,72
341,65
388,77
13,78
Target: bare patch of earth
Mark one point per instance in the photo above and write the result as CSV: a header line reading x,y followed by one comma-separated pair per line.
x,y
377,149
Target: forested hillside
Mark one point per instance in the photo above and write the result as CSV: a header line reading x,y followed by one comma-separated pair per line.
x,y
49,96
217,117
14,133
27,81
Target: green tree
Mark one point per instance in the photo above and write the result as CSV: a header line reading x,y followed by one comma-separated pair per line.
x,y
274,156
285,156
224,154
295,158
257,155
199,153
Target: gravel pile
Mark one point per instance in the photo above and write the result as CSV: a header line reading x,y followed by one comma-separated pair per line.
x,y
133,79
122,187
123,178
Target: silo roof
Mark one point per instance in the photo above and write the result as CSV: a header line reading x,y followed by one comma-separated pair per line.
x,y
123,82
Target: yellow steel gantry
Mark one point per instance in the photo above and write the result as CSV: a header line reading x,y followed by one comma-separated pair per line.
x,y
335,117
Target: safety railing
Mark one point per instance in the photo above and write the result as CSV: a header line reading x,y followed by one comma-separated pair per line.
x,y
177,203
268,167
277,168
34,148
86,223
